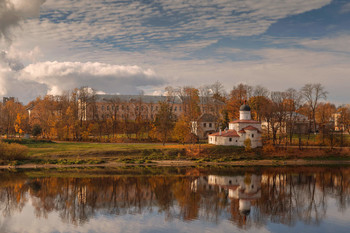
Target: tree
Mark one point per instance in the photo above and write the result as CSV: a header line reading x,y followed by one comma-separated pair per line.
x,y
293,103
238,95
182,130
164,122
324,112
312,94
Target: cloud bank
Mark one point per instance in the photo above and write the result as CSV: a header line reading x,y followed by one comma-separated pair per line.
x,y
54,77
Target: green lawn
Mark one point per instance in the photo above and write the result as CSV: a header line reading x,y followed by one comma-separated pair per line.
x,y
74,148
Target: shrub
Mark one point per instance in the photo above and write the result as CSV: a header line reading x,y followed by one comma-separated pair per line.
x,y
12,151
268,148
36,130
248,144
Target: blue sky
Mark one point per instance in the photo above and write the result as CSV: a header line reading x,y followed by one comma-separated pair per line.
x,y
127,46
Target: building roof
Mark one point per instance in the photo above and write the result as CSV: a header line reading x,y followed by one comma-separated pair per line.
x,y
227,133
207,117
147,98
244,107
249,127
245,121
135,98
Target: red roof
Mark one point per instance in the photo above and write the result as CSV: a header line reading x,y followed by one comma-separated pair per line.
x,y
228,133
246,121
249,127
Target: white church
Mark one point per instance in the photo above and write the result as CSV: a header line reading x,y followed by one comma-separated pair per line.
x,y
239,131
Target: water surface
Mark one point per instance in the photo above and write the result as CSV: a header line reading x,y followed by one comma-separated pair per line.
x,y
153,199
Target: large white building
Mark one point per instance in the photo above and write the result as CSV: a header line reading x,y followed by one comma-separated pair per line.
x,y
239,131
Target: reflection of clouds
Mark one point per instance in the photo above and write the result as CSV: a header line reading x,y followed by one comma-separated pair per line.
x,y
150,222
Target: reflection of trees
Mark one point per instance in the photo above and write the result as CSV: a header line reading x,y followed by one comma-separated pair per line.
x,y
288,195
12,193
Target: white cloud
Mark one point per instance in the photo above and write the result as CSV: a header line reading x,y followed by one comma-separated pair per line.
x,y
59,76
338,43
167,24
12,12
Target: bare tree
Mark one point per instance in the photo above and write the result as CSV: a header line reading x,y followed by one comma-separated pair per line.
x,y
312,94
292,105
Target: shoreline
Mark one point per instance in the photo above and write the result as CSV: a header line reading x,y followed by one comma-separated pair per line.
x,y
183,163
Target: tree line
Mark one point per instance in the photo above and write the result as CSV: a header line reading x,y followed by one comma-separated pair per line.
x,y
78,115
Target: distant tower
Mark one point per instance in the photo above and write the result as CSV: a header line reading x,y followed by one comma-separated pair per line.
x,y
244,112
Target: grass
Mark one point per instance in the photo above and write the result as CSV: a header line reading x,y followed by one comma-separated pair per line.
x,y
70,153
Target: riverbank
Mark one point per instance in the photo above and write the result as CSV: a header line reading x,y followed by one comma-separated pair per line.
x,y
43,154
183,163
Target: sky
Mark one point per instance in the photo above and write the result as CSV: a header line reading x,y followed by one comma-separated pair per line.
x,y
124,46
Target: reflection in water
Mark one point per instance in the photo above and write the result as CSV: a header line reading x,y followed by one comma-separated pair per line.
x,y
246,197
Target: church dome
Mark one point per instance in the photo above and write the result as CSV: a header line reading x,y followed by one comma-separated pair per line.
x,y
244,107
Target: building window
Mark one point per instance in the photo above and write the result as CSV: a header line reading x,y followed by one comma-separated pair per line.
x,y
107,107
210,125
230,139
175,108
156,108
204,125
112,107
103,107
180,108
236,140
252,135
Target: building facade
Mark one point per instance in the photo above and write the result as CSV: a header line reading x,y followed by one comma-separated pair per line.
x,y
133,106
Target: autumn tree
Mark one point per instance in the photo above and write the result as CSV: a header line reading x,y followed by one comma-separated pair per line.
x,y
164,122
324,112
13,118
182,130
238,95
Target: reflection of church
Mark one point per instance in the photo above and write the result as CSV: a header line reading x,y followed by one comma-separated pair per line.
x,y
245,188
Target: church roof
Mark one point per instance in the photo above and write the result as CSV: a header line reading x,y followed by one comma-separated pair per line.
x,y
227,133
249,127
244,107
